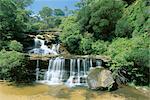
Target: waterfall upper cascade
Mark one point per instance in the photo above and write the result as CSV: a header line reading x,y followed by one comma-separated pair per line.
x,y
41,48
73,74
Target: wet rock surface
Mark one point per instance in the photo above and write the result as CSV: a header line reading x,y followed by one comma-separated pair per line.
x,y
99,77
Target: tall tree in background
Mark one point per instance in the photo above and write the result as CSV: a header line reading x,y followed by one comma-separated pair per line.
x,y
23,3
66,11
58,12
46,15
45,12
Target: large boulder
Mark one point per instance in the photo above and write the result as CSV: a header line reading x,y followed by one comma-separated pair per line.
x,y
99,77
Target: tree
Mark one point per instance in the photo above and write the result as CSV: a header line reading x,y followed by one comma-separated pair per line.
x,y
86,45
14,45
131,56
13,20
23,3
99,17
70,35
58,12
99,47
66,11
45,12
135,20
14,67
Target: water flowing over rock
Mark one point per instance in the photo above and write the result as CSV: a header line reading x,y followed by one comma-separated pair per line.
x,y
55,72
99,77
72,72
41,48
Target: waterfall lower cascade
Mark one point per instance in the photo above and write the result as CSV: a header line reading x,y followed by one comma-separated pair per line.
x,y
71,72
41,48
55,72
78,76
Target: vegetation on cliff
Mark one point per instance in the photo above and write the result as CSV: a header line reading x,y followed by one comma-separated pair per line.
x,y
119,29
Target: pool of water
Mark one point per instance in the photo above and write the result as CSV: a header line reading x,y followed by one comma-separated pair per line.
x,y
61,92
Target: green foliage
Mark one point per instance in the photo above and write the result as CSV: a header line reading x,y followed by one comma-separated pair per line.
x,y
129,1
131,55
100,17
70,35
12,66
119,50
48,19
57,21
140,50
58,12
3,45
123,29
23,3
14,45
45,12
99,47
126,27
14,19
86,45
134,20
9,60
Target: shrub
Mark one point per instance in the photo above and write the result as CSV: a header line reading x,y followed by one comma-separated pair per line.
x,y
86,45
72,43
99,47
13,67
14,45
131,57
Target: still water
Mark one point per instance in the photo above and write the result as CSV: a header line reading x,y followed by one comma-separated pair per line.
x,y
61,92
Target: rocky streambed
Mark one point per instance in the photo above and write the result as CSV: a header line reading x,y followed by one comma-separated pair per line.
x,y
61,92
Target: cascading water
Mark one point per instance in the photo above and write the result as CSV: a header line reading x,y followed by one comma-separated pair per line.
x,y
98,63
54,75
41,48
75,75
37,70
57,73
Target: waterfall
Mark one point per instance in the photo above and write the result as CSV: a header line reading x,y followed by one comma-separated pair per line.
x,y
58,73
78,72
98,63
54,75
55,47
91,64
41,48
37,70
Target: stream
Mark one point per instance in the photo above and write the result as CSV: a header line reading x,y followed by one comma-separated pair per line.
x,y
61,92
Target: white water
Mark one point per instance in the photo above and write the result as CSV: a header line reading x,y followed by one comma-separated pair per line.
x,y
75,74
57,73
78,76
54,75
41,48
37,70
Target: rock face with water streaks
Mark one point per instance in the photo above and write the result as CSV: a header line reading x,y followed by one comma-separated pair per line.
x,y
99,77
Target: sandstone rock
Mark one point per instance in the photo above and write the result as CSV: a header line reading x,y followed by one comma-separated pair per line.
x,y
99,77
40,37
